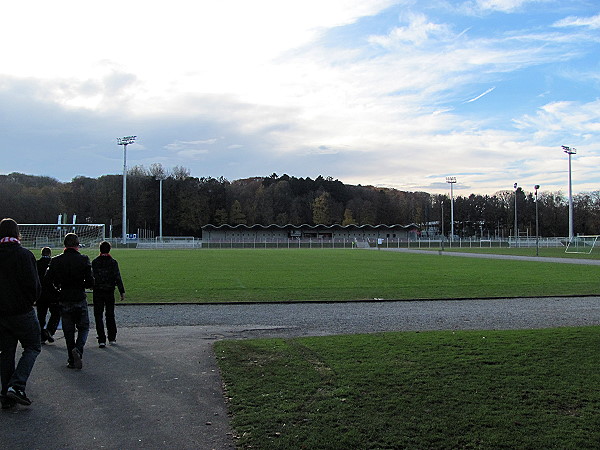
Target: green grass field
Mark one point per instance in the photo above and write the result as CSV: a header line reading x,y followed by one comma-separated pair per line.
x,y
206,276
432,390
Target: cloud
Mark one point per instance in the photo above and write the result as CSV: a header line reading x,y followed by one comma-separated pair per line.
x,y
564,119
189,146
592,22
481,95
418,31
504,6
501,5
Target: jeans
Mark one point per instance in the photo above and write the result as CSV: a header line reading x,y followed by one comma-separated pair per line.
x,y
75,317
23,328
105,300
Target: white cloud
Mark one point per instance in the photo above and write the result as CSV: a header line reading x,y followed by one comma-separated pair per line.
x,y
474,99
573,21
418,31
501,5
490,6
564,118
180,146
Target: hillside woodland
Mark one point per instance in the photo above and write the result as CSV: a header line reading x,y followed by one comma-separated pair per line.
x,y
189,203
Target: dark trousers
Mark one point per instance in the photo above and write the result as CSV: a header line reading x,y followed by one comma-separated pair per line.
x,y
75,317
104,304
42,311
23,328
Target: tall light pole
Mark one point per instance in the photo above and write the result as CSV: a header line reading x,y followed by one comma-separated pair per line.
x,y
451,181
125,141
516,228
537,224
160,179
570,151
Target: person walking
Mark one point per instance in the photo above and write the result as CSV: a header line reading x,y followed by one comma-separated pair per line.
x,y
71,273
18,321
48,299
106,276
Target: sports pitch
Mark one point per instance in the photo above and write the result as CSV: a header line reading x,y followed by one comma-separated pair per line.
x,y
282,275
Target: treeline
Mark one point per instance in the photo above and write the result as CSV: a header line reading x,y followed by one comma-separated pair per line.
x,y
189,203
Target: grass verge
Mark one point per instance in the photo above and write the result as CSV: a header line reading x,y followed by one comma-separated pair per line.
x,y
545,252
451,389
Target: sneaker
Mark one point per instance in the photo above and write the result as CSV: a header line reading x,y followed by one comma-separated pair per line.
x,y
102,344
50,338
112,342
18,396
77,362
7,403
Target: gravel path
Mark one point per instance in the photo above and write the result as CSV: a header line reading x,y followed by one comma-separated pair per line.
x,y
316,319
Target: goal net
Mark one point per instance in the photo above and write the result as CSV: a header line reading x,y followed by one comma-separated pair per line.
x,y
38,235
582,244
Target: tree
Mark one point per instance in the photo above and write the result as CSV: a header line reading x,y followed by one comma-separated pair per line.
x,y
348,219
322,209
137,171
158,172
180,173
221,217
237,216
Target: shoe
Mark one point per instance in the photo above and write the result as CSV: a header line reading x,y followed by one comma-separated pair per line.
x,y
112,342
102,344
49,337
44,336
77,362
7,403
18,396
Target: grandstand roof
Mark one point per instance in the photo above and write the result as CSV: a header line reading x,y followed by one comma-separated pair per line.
x,y
209,227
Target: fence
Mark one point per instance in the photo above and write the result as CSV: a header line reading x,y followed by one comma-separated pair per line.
x,y
383,243
341,243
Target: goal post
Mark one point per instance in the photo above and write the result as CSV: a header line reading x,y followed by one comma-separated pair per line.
x,y
583,244
37,235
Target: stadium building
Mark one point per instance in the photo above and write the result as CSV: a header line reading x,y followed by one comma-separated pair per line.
x,y
360,233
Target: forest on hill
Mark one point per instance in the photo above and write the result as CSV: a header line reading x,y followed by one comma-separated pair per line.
x,y
189,203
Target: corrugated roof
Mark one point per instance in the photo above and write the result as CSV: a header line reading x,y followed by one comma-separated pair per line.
x,y
304,226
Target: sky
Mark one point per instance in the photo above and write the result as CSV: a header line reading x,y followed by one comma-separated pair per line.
x,y
398,94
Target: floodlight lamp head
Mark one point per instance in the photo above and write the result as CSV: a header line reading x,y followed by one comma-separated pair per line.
x,y
450,179
126,140
569,150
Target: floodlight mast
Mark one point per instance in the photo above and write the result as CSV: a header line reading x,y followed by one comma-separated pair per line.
x,y
516,187
537,223
451,181
570,151
160,179
125,141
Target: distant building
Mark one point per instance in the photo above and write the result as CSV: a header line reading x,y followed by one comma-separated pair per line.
x,y
214,233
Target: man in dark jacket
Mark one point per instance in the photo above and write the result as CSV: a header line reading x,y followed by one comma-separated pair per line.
x,y
48,299
18,321
71,273
106,276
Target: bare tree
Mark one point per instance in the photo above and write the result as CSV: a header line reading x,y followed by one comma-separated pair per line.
x,y
158,172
